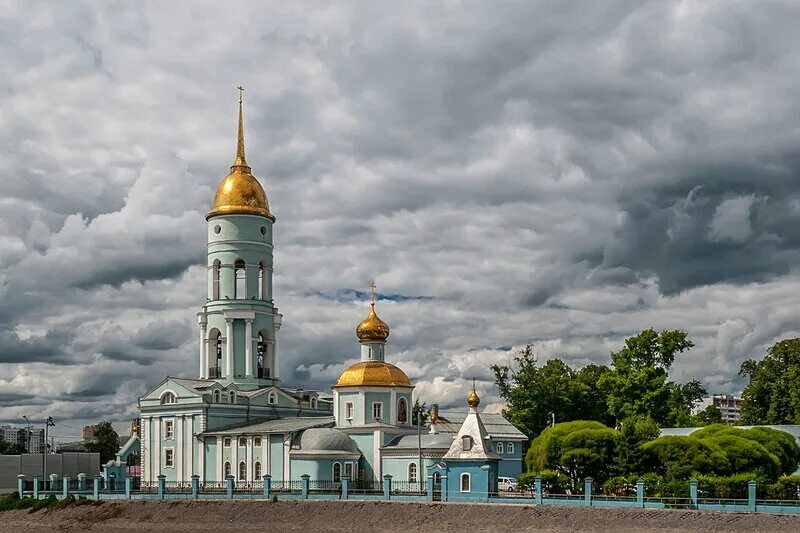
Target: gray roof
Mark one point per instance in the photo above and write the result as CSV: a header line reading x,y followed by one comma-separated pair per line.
x,y
438,441
326,441
279,425
496,425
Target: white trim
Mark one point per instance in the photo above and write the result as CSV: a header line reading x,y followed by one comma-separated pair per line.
x,y
179,445
189,441
499,448
333,471
235,454
166,391
352,410
220,474
165,421
461,482
397,407
265,455
248,348
287,470
509,447
416,472
377,465
380,409
164,456
249,459
239,466
228,347
156,421
201,459
230,473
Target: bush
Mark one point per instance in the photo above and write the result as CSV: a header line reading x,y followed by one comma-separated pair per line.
x,y
786,488
552,482
724,487
673,488
620,486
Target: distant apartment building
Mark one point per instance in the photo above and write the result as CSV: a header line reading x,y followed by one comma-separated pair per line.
x,y
729,405
29,440
87,433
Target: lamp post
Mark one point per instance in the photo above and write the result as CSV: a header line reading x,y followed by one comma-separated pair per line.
x,y
47,424
27,434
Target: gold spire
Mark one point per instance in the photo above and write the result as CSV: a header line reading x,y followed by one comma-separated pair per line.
x,y
372,328
473,400
240,192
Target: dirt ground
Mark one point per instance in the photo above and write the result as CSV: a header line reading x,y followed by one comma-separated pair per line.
x,y
312,516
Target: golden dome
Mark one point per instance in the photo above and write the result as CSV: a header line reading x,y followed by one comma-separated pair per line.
x,y
240,192
473,400
372,328
373,374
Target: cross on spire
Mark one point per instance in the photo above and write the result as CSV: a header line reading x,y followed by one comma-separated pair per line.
x,y
241,91
372,287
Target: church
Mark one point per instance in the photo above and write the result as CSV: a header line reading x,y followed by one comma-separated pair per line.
x,y
236,418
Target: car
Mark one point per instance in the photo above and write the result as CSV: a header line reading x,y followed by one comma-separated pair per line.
x,y
508,484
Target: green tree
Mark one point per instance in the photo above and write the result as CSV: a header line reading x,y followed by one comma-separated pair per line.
x,y
633,433
772,395
780,444
8,448
577,449
105,441
419,410
745,455
638,386
709,415
679,457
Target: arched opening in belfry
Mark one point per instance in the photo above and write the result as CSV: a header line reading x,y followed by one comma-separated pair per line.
x,y
262,366
215,348
262,281
215,279
240,287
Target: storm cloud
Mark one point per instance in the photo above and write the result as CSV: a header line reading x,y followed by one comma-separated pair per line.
x,y
565,174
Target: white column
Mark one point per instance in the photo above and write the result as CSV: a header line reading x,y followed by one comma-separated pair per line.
x,y
248,348
145,444
287,472
156,425
250,461
276,372
229,348
203,352
392,411
335,407
376,454
220,470
265,469
179,448
235,457
189,444
201,460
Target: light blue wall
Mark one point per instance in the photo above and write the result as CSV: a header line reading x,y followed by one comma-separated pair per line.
x,y
397,467
511,463
364,442
382,397
349,396
210,458
276,457
479,485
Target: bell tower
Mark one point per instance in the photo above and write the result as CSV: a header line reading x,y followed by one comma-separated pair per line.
x,y
239,323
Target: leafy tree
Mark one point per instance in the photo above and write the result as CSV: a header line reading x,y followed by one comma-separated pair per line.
x,y
576,449
8,448
105,441
679,457
533,392
638,386
633,433
780,444
419,410
771,395
709,415
745,455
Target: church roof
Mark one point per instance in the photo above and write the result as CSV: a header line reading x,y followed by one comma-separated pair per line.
x,y
496,425
325,441
472,442
279,425
428,440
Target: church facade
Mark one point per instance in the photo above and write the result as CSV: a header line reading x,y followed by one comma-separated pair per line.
x,y
237,419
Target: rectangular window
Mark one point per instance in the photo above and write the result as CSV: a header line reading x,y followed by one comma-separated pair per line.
x,y
348,410
499,447
377,410
226,442
510,447
348,470
242,442
169,429
169,458
257,442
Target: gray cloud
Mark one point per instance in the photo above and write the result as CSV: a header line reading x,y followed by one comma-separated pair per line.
x,y
564,174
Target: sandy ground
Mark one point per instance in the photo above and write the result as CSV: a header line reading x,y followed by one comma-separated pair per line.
x,y
312,516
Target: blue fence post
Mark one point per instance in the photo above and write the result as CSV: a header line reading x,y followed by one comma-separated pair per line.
x,y
162,486
65,486
345,487
444,489
430,488
96,488
537,490
20,484
587,490
304,486
36,480
195,486
751,496
693,492
128,486
81,481
387,486
229,485
267,484
640,492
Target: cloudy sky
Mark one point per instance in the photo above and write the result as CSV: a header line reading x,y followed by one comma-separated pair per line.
x,y
556,173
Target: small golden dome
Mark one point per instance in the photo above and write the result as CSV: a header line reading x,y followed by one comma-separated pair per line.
x,y
372,328
373,374
240,192
473,400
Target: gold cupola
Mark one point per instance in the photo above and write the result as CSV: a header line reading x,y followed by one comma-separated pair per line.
x,y
473,400
240,193
373,374
372,328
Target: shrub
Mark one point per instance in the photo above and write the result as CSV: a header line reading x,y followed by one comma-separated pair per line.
x,y
786,488
724,487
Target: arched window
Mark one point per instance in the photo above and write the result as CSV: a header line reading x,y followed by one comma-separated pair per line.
x,y
227,469
499,447
402,411
232,396
510,447
215,279
313,403
262,277
215,396
465,483
272,398
240,289
257,470
242,471
215,341
261,350
412,472
337,472
168,397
